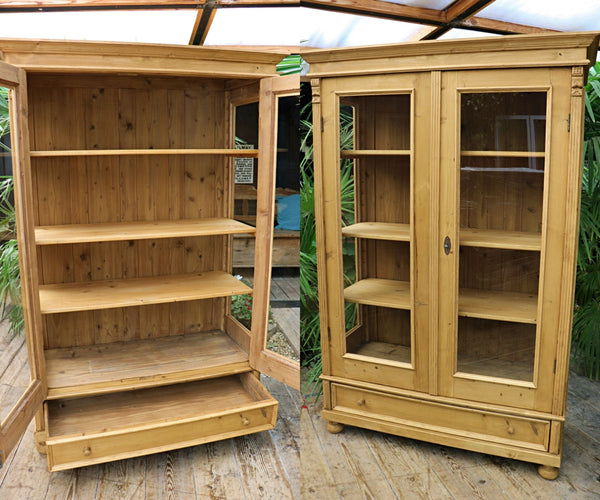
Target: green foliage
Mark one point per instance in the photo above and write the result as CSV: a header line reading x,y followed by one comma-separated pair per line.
x,y
309,298
241,309
586,322
290,65
4,117
10,286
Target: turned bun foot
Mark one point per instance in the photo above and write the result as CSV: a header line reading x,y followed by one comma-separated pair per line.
x,y
548,472
334,427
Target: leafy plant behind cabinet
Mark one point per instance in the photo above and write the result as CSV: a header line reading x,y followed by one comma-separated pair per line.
x,y
309,297
10,284
586,321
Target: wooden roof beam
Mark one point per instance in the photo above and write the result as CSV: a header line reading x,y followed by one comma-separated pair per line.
x,y
204,19
455,14
74,5
380,8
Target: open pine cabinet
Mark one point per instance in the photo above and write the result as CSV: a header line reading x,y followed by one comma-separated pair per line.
x,y
123,158
450,321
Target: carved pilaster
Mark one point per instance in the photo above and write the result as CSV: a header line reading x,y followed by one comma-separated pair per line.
x,y
577,81
315,84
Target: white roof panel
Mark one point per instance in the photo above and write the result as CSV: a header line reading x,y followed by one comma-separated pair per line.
x,y
151,26
571,15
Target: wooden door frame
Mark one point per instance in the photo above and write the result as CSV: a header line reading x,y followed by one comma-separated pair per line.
x,y
279,367
336,361
537,394
16,422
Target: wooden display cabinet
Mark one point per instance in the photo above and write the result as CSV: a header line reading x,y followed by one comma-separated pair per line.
x,y
467,164
123,166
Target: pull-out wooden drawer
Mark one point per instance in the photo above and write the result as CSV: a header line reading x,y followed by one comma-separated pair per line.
x,y
127,424
443,418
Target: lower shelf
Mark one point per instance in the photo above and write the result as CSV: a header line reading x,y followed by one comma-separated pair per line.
x,y
385,350
99,429
87,370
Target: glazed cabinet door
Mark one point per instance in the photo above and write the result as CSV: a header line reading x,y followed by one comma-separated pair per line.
x,y
375,202
501,245
272,91
22,377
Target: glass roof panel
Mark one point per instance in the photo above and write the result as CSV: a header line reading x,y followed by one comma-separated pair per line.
x,y
156,26
458,33
574,15
311,27
255,26
326,29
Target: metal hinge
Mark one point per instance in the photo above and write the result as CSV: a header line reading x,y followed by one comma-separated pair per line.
x,y
569,123
321,124
554,369
328,335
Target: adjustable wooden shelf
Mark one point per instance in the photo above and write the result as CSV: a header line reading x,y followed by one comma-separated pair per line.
x,y
123,160
466,158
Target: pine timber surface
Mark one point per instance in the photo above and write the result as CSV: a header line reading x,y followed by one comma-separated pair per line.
x,y
515,240
123,231
240,153
106,294
360,463
378,231
139,363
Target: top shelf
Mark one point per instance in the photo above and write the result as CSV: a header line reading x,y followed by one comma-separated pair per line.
x,y
356,153
238,153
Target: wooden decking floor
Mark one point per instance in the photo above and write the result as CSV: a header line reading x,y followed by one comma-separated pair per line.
x,y
363,464
262,465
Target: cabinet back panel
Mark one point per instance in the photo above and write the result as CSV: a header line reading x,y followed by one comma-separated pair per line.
x,y
499,270
384,189
384,324
102,112
130,323
511,201
385,259
382,121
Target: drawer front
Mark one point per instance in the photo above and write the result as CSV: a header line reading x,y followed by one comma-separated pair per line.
x,y
66,453
475,424
85,431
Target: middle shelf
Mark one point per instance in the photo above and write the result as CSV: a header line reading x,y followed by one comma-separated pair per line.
x,y
120,231
86,370
484,304
107,294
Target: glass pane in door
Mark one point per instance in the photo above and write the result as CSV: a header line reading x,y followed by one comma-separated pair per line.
x,y
15,373
375,172
502,163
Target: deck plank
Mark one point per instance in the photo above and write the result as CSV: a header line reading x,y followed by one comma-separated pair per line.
x,y
417,469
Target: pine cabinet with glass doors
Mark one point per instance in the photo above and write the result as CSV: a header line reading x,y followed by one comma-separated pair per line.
x,y
446,289
123,158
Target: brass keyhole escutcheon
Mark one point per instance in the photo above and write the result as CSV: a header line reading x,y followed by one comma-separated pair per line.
x,y
360,402
87,451
245,421
447,245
